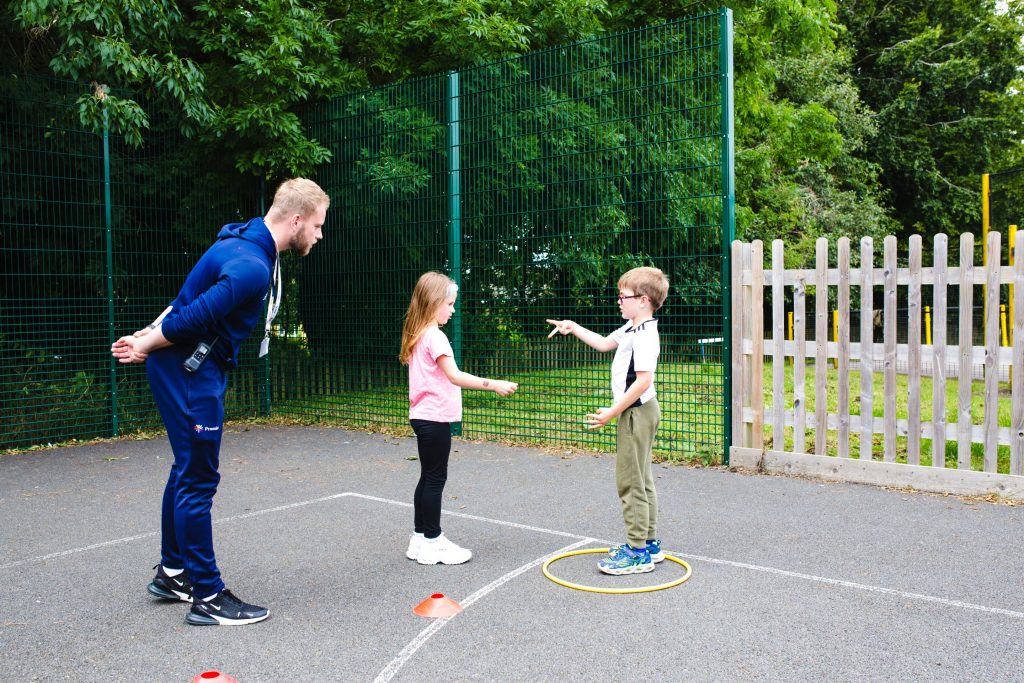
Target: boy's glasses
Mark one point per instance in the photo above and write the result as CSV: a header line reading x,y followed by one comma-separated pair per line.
x,y
623,297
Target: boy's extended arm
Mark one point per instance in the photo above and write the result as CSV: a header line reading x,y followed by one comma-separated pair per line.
x,y
468,381
605,415
588,337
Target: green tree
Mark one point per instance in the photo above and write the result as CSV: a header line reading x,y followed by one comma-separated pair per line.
x,y
802,129
229,72
238,73
940,76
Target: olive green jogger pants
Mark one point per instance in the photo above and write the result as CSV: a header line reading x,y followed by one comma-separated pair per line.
x,y
634,442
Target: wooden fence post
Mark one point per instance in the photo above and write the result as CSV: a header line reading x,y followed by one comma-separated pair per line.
x,y
737,299
799,365
939,354
889,400
966,304
757,337
867,348
778,347
821,344
914,354
843,346
748,336
990,420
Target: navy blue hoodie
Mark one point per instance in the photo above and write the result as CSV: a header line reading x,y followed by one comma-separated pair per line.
x,y
224,294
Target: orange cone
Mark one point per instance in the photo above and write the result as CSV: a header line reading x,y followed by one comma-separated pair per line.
x,y
437,606
213,677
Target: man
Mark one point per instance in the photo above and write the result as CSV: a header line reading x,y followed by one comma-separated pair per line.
x,y
190,347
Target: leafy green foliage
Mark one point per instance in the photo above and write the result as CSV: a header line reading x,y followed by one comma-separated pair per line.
x,y
129,43
944,79
237,74
801,126
851,118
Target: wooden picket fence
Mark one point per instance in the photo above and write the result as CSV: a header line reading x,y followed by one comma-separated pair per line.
x,y
750,417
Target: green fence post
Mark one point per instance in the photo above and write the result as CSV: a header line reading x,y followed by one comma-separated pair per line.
x,y
728,221
265,398
114,427
454,218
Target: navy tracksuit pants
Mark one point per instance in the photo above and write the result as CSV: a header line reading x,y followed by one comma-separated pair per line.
x,y
192,408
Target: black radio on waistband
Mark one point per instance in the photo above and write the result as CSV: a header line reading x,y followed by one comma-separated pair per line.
x,y
195,360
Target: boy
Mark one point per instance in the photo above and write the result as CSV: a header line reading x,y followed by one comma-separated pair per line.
x,y
642,292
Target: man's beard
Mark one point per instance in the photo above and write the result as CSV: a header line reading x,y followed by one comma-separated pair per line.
x,y
303,248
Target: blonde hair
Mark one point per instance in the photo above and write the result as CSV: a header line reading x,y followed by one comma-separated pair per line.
x,y
431,290
297,196
646,281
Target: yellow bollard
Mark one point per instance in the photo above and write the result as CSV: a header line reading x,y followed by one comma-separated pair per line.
x,y
1002,323
928,325
1013,249
835,334
1013,255
984,240
984,219
789,335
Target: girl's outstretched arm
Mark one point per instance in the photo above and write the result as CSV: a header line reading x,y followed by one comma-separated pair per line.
x,y
468,381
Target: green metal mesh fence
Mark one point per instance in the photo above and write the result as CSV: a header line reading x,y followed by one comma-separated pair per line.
x,y
95,240
53,308
535,182
166,211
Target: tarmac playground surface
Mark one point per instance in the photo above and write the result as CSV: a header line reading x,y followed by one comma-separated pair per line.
x,y
792,579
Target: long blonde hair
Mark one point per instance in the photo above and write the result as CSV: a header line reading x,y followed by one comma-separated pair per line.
x,y
431,291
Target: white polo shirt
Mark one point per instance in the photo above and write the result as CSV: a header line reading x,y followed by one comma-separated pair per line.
x,y
638,351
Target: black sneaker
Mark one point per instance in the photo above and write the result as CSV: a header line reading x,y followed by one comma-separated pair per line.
x,y
170,587
225,610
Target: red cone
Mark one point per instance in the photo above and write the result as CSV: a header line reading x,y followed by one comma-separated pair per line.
x,y
437,606
213,677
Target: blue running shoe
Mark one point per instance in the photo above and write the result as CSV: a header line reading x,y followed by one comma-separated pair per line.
x,y
616,549
654,548
627,560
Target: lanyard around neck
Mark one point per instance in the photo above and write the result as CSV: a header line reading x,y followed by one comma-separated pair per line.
x,y
273,305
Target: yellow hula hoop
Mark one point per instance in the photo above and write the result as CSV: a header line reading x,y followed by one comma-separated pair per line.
x,y
595,589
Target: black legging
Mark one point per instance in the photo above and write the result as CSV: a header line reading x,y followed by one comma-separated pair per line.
x,y
434,442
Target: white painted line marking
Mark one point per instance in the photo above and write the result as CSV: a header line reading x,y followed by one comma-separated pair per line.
x,y
526,527
73,551
744,565
514,525
129,539
416,643
858,586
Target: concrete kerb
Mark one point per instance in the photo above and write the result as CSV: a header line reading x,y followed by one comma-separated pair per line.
x,y
921,478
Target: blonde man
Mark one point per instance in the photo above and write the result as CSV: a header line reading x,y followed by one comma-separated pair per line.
x,y
190,347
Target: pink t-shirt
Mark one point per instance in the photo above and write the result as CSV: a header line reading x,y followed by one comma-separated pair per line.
x,y
432,396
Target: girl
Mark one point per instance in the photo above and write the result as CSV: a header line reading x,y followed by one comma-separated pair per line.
x,y
435,401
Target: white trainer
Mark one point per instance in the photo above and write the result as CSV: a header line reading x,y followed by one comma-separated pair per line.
x,y
415,543
443,551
